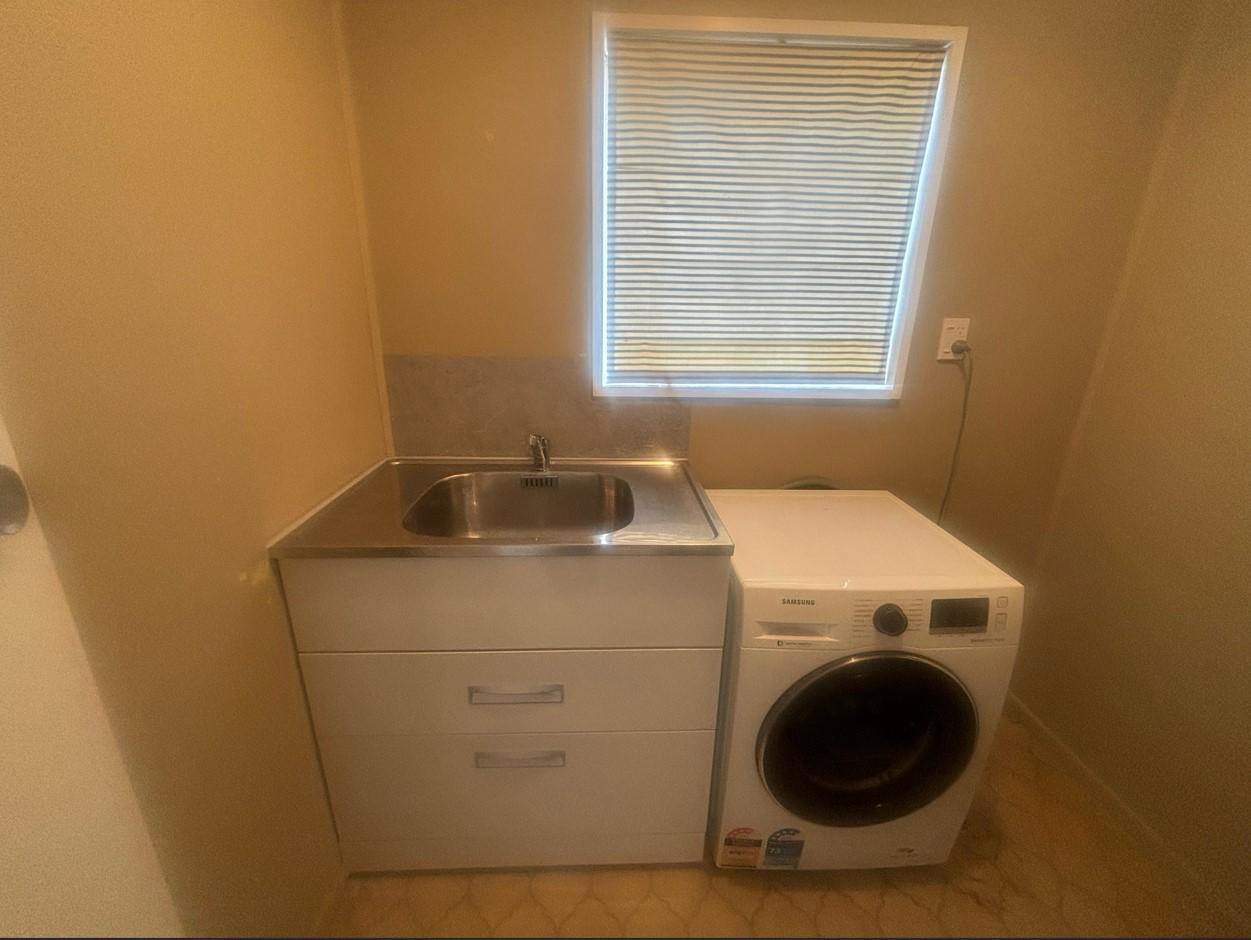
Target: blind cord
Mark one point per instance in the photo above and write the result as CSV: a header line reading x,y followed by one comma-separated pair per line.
x,y
966,367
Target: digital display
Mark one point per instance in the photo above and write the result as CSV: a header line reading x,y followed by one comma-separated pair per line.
x,y
959,614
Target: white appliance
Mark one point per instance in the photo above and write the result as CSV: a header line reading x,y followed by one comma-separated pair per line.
x,y
867,659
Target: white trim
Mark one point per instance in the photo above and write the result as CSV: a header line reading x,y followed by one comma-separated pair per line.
x,y
952,38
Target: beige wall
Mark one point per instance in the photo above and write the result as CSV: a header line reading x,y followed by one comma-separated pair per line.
x,y
76,858
1139,647
474,123
185,367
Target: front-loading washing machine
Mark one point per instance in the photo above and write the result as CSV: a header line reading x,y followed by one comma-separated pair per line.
x,y
868,654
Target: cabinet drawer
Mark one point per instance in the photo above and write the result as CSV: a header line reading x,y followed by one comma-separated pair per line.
x,y
518,602
531,786
553,690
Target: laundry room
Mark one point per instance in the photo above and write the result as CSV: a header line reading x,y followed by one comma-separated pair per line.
x,y
625,467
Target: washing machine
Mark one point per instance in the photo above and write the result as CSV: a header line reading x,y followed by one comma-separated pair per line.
x,y
868,654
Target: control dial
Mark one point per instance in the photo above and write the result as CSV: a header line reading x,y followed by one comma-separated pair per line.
x,y
890,619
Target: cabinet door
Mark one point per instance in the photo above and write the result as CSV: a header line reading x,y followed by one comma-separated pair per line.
x,y
479,692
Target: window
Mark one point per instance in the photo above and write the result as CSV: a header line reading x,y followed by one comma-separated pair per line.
x,y
763,197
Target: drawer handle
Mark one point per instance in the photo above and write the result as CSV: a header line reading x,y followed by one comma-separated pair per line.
x,y
539,695
492,759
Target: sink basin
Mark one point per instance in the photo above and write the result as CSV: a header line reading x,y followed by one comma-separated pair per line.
x,y
503,504
439,507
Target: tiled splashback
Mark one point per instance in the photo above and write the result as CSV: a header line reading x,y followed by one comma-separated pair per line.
x,y
480,406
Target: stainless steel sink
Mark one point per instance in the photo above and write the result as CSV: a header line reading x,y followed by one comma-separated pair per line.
x,y
436,507
502,504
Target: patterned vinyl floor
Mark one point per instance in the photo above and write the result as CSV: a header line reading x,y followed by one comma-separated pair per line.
x,y
1040,855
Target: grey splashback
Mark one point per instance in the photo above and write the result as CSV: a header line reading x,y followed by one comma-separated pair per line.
x,y
480,406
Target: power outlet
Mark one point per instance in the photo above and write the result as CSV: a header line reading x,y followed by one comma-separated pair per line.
x,y
954,328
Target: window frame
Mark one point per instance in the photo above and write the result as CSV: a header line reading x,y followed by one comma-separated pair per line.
x,y
952,38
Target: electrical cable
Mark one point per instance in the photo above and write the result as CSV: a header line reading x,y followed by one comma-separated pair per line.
x,y
966,367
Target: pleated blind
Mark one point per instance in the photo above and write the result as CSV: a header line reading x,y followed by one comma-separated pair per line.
x,y
758,201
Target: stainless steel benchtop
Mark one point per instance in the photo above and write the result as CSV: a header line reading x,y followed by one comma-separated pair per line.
x,y
672,515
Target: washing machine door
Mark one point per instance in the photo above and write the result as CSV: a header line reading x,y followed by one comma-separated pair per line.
x,y
867,739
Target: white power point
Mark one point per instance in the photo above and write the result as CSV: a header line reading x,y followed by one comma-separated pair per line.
x,y
954,328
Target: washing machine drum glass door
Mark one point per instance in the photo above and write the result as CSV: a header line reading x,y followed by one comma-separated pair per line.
x,y
867,739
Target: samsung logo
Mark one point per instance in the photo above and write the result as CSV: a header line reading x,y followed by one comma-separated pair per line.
x,y
799,601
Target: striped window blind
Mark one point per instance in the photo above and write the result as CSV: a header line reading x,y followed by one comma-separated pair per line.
x,y
758,203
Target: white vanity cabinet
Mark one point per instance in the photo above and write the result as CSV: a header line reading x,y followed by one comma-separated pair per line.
x,y
519,710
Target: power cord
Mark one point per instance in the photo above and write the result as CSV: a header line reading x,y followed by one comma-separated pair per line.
x,y
965,352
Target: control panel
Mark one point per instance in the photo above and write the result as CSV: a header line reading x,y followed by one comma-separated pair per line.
x,y
798,618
